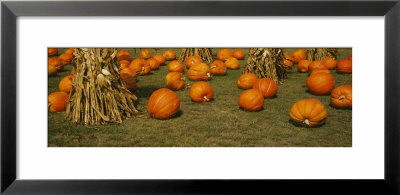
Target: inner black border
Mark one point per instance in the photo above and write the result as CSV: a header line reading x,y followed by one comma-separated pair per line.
x,y
10,10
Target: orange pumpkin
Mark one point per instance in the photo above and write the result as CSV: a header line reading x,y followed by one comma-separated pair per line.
x,y
329,63
289,57
145,53
56,63
218,67
72,72
52,51
238,54
320,83
224,54
201,92
251,100
287,64
70,51
128,76
232,63
57,101
299,55
341,97
316,65
308,112
65,84
351,57
163,104
175,81
169,54
319,71
153,63
344,66
124,64
191,60
140,66
266,86
199,72
175,66
303,65
52,70
246,80
66,58
160,58
123,55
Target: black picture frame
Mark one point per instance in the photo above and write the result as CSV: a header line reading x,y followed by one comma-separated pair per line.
x,y
10,10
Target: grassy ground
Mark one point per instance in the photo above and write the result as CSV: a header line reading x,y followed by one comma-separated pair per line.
x,y
216,123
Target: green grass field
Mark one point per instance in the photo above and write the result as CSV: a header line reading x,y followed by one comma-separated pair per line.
x,y
219,123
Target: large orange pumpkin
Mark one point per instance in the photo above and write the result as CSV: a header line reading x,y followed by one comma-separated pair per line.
x,y
192,60
153,63
145,53
224,54
51,70
52,51
251,100
246,80
299,55
329,62
232,63
65,84
266,86
57,101
175,81
56,63
163,104
315,65
128,76
308,112
123,55
320,83
160,58
303,65
341,97
169,55
175,66
124,64
344,66
201,92
66,58
140,66
199,72
218,67
238,54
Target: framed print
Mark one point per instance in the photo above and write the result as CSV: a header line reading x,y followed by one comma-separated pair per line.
x,y
192,97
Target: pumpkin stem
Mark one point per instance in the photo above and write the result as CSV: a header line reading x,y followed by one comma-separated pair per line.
x,y
213,67
205,97
208,74
341,97
307,122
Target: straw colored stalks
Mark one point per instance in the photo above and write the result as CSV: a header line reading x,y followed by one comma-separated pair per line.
x,y
266,63
98,95
204,53
320,53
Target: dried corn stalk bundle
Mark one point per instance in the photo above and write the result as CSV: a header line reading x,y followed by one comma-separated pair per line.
x,y
204,53
98,95
267,63
320,53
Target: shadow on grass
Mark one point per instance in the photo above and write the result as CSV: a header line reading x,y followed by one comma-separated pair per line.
x,y
300,124
145,92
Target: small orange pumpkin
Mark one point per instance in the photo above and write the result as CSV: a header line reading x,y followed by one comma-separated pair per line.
x,y
175,81
344,66
289,57
175,66
308,112
66,58
266,86
52,70
160,58
65,84
319,71
329,63
145,53
218,67
246,80
57,101
128,76
224,54
303,65
70,51
287,64
124,64
238,54
52,51
140,66
320,83
201,92
123,55
299,55
251,100
56,63
191,60
199,72
163,104
169,54
316,65
341,97
232,63
153,63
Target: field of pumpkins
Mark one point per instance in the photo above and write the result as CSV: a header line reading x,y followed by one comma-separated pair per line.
x,y
177,98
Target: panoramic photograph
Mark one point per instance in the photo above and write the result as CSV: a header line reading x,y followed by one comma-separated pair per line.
x,y
199,97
